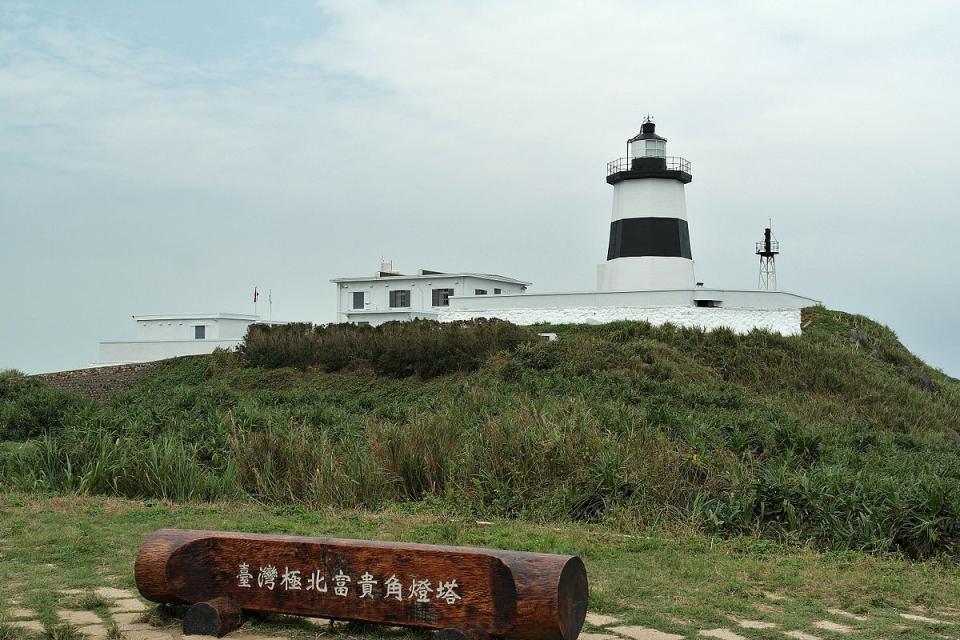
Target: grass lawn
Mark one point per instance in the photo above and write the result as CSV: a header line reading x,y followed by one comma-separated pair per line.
x,y
675,583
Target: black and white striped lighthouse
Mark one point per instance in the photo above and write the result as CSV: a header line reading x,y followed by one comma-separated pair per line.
x,y
649,240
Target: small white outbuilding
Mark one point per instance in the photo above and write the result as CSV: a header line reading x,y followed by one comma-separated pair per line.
x,y
171,335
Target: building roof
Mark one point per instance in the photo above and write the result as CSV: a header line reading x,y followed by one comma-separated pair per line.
x,y
199,316
426,274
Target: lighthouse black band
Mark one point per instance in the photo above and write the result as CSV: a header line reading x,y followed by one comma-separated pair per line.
x,y
635,237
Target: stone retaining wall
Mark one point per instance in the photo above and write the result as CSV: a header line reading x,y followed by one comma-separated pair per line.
x,y
97,382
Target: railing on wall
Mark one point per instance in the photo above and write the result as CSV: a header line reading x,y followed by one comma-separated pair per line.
x,y
674,163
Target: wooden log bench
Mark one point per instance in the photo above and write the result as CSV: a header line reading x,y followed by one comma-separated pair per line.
x,y
461,592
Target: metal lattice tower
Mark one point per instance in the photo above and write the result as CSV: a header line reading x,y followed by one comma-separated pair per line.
x,y
768,249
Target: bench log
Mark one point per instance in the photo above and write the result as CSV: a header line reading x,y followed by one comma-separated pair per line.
x,y
475,592
216,617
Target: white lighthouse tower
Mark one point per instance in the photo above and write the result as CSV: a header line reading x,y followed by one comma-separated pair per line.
x,y
649,240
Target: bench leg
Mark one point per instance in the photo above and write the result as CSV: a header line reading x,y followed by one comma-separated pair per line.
x,y
456,634
216,617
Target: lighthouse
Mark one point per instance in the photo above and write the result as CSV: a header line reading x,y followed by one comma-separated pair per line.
x,y
649,245
648,275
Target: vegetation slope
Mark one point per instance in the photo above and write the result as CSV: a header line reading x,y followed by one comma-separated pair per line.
x,y
838,438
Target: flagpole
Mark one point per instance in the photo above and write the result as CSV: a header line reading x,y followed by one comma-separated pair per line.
x,y
270,300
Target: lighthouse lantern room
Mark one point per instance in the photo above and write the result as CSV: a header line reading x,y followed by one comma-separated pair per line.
x,y
649,245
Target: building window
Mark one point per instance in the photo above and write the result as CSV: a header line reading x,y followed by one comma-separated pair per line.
x,y
363,323
400,298
441,297
358,299
479,292
200,332
497,292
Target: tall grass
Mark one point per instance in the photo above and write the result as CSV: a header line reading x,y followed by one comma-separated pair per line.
x,y
165,467
839,440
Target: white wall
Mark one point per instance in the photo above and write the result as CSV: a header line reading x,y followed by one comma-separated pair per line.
x,y
183,328
729,298
645,272
472,283
160,337
783,321
231,329
649,198
740,310
574,299
377,294
380,317
755,298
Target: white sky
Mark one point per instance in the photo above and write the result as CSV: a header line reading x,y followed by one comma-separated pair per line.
x,y
169,157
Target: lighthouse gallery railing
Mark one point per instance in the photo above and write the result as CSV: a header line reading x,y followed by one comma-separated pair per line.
x,y
674,163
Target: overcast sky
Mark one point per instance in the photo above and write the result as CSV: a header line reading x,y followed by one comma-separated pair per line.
x,y
170,156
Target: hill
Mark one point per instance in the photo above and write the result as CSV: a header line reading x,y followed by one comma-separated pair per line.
x,y
839,438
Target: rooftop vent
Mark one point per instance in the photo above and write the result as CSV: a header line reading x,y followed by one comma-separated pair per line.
x,y
386,269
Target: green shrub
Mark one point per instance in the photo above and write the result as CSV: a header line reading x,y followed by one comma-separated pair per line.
x,y
29,409
421,347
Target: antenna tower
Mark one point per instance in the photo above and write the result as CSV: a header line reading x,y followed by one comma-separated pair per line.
x,y
768,249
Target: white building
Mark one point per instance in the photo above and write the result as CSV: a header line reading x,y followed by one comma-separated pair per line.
x,y
171,335
389,295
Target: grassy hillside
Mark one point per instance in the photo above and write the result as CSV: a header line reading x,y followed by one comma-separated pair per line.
x,y
839,438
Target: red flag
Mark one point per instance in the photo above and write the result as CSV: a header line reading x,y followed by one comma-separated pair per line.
x,y
255,295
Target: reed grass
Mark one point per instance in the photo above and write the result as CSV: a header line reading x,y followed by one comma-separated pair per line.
x,y
839,438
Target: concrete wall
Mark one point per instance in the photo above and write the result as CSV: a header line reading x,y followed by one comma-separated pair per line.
x,y
740,310
183,328
375,319
783,321
472,283
229,329
574,299
755,299
728,298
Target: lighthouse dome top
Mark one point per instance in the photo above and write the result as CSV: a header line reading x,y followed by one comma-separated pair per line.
x,y
647,132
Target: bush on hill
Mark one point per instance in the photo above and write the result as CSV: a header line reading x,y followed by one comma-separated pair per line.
x,y
839,437
29,409
421,347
